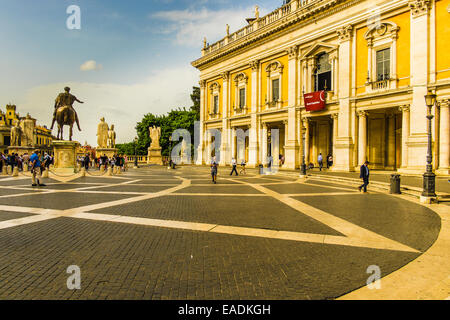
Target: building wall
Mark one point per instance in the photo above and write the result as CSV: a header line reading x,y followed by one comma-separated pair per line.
x,y
442,40
382,121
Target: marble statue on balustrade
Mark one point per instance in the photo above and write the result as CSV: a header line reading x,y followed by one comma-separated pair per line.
x,y
111,143
28,126
154,151
16,133
102,134
106,139
23,134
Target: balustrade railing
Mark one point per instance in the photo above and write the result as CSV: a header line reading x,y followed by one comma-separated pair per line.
x,y
268,19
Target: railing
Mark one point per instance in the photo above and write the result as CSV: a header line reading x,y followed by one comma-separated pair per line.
x,y
292,6
382,84
141,159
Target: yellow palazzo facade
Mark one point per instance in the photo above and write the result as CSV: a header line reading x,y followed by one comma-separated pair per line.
x,y
374,59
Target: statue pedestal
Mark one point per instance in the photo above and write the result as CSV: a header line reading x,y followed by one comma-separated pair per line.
x,y
21,150
65,156
109,152
154,156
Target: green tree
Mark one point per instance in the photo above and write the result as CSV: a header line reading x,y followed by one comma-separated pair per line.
x,y
195,97
175,119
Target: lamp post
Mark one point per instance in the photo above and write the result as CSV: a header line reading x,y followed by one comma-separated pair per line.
x,y
170,151
135,153
429,177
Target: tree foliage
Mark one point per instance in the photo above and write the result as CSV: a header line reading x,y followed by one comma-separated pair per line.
x,y
175,119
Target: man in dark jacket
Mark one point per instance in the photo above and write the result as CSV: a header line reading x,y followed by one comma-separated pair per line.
x,y
364,174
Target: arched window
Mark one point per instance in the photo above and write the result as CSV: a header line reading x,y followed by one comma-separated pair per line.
x,y
322,73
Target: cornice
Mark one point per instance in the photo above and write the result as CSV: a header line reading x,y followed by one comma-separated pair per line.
x,y
299,18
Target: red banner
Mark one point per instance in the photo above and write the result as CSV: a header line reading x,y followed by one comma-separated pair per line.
x,y
315,101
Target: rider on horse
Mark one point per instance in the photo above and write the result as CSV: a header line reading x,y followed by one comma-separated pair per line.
x,y
65,99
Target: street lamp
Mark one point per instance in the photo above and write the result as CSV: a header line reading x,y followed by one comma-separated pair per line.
x,y
135,153
429,177
171,165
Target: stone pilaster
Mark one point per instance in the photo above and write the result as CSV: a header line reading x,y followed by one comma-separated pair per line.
x,y
362,137
444,138
344,142
335,117
203,97
264,144
405,135
417,142
253,141
224,147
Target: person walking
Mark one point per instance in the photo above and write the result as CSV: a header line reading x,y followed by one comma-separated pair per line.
x,y
2,162
47,161
36,170
329,161
364,174
243,167
87,162
233,164
214,170
320,161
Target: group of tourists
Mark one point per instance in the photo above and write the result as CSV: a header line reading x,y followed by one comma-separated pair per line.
x,y
37,163
117,160
329,161
15,160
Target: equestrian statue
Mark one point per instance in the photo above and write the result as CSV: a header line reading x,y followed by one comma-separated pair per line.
x,y
65,114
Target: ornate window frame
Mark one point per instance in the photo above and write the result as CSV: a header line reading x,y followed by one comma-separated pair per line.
x,y
274,70
309,62
214,89
240,82
380,36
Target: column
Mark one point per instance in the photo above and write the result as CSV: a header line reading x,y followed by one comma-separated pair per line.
x,y
417,142
224,148
253,134
344,142
208,147
362,137
291,144
284,146
335,117
444,138
254,65
292,75
390,161
233,143
405,135
253,142
200,148
264,143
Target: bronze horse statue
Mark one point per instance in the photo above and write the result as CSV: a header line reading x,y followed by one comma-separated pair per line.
x,y
65,116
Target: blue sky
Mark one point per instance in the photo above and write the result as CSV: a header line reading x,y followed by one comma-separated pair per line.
x,y
136,54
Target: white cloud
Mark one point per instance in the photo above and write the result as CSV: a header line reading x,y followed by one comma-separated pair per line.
x,y
121,105
190,26
90,65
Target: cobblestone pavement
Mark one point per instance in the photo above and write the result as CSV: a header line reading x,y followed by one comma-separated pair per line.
x,y
153,233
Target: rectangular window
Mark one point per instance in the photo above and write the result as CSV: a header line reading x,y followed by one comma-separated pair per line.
x,y
383,64
216,104
242,98
275,89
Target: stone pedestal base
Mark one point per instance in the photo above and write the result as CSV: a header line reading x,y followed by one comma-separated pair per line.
x,y
154,156
65,156
109,152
